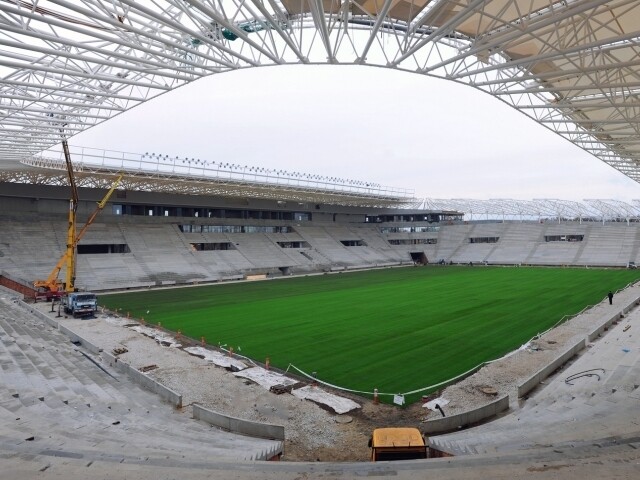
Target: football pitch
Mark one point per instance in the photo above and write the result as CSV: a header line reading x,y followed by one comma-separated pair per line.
x,y
396,330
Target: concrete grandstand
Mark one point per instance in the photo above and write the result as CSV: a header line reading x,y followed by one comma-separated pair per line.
x,y
151,240
70,408
148,239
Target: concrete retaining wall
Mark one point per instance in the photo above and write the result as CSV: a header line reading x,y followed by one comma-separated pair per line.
x,y
544,372
149,383
615,317
115,363
140,378
447,424
539,376
40,315
143,380
600,329
17,285
237,425
75,338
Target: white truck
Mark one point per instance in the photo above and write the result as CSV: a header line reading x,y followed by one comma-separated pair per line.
x,y
80,304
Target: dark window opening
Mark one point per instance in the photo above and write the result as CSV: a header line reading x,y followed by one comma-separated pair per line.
x,y
484,239
428,228
563,238
419,258
103,248
233,229
208,247
413,241
353,243
430,217
294,245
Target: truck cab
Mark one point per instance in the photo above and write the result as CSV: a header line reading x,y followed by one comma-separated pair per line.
x,y
80,304
397,444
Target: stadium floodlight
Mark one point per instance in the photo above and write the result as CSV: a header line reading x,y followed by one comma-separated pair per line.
x,y
153,174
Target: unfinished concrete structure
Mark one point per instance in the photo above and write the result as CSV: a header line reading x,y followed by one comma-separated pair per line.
x,y
570,65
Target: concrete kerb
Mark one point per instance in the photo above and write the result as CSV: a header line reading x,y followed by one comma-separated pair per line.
x,y
448,424
238,425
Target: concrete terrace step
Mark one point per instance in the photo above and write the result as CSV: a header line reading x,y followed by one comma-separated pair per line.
x,y
153,423
80,407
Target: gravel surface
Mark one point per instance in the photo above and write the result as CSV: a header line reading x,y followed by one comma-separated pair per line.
x,y
314,433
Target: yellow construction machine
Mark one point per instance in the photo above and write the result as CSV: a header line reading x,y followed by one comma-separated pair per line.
x,y
52,287
397,444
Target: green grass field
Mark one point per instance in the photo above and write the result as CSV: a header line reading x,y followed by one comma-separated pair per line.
x,y
395,329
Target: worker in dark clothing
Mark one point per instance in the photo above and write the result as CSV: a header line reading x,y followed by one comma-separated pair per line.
x,y
610,295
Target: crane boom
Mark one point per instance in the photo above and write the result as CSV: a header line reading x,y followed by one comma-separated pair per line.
x,y
52,284
71,228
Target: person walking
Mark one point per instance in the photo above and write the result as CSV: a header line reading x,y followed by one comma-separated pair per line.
x,y
610,295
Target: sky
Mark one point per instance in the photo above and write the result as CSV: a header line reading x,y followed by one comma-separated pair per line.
x,y
435,137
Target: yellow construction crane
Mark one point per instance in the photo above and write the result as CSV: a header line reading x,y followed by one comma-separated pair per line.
x,y
71,228
52,287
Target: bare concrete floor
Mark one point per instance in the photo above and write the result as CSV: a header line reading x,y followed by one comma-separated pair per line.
x,y
620,461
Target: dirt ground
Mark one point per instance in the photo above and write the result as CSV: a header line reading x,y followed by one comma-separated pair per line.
x,y
352,442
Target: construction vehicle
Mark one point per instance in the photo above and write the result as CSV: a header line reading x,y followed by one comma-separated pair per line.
x,y
80,304
52,287
397,444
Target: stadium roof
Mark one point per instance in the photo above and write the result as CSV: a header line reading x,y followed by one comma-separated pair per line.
x,y
97,168
572,65
537,209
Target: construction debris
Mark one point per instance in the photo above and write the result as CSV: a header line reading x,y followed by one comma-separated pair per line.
x,y
148,368
119,351
159,336
315,394
488,390
432,404
264,378
217,358
280,389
